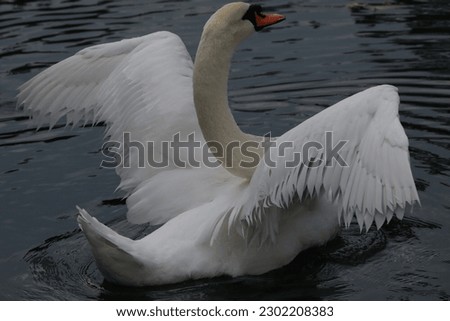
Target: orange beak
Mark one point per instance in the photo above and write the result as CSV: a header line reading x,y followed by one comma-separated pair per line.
x,y
264,20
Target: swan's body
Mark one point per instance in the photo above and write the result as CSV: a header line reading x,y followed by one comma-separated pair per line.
x,y
230,219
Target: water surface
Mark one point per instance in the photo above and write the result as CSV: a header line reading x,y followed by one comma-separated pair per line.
x,y
324,52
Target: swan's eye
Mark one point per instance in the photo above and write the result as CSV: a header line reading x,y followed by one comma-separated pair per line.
x,y
251,15
258,9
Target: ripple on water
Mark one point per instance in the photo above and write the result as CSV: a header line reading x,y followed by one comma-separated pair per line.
x,y
63,268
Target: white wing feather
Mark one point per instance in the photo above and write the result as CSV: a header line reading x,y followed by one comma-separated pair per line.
x,y
142,86
376,183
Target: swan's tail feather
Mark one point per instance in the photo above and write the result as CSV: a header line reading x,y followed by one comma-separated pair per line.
x,y
112,252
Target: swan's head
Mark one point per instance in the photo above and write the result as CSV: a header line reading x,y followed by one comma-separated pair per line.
x,y
236,21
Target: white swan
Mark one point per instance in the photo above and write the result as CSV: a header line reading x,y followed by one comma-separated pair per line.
x,y
243,220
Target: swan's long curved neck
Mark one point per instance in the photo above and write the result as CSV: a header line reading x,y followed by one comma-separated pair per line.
x,y
238,152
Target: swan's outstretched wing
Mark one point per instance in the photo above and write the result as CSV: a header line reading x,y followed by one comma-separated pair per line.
x,y
376,182
141,86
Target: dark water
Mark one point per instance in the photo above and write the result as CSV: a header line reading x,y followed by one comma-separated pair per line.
x,y
325,51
